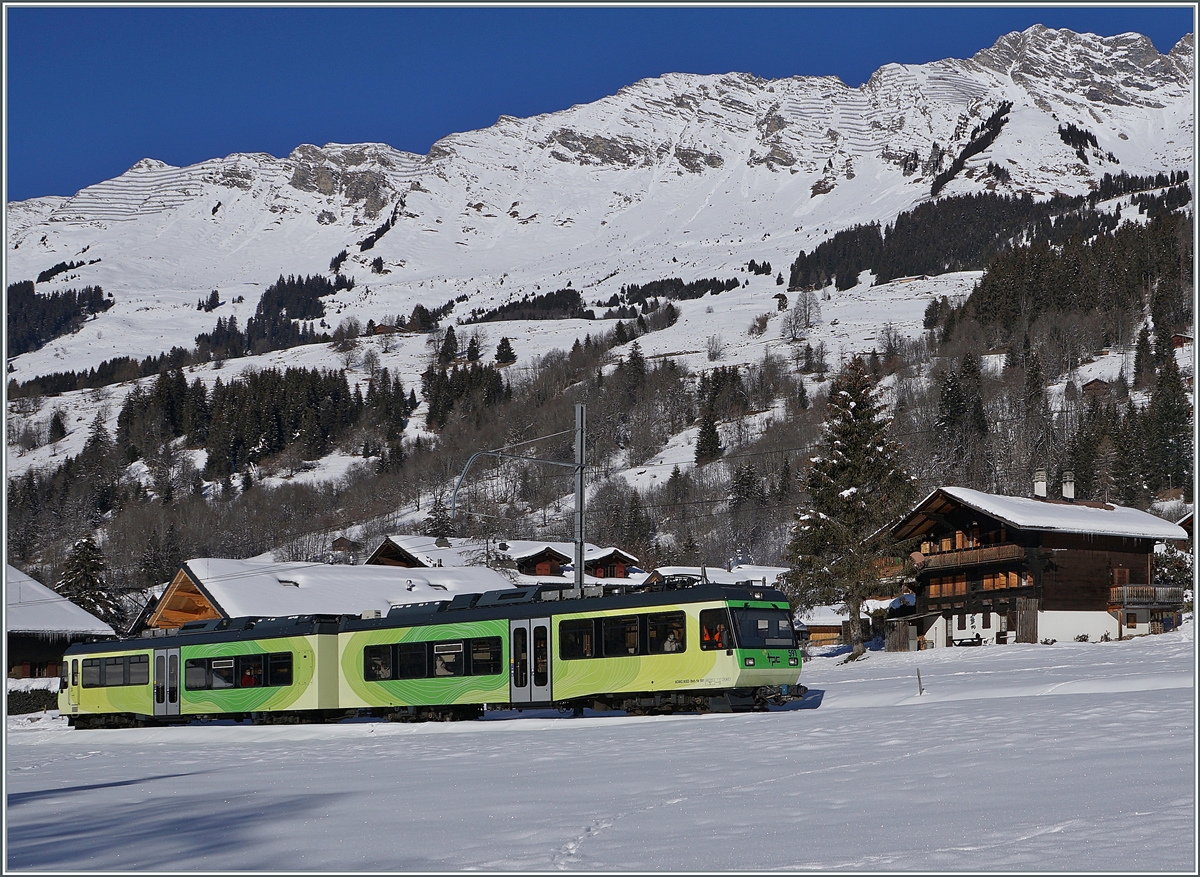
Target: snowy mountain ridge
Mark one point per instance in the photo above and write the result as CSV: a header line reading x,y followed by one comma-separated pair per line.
x,y
681,175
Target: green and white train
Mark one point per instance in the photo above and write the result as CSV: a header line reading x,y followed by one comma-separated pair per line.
x,y
700,648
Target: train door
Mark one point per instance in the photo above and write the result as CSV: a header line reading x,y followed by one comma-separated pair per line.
x,y
529,660
73,685
166,682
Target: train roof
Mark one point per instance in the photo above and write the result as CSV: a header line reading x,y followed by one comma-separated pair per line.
x,y
528,602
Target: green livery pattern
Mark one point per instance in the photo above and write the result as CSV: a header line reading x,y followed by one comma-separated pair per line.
x,y
440,691
244,700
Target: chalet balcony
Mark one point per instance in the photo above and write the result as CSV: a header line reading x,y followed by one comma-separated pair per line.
x,y
1129,595
974,556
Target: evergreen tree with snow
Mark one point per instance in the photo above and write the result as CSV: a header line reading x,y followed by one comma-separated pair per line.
x,y
504,352
439,522
856,486
708,442
83,582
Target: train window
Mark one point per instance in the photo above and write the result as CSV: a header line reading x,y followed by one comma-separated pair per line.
x,y
74,672
91,673
114,672
620,636
139,669
377,663
279,669
541,655
764,628
250,671
485,656
411,661
448,659
195,674
577,639
714,630
665,632
223,675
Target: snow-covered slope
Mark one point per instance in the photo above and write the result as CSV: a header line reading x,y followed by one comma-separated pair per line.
x,y
683,175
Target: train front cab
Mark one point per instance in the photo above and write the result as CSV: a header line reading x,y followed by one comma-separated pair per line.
x,y
736,654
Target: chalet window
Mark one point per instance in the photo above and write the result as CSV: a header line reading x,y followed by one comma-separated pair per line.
x,y
485,656
666,632
987,620
962,621
91,673
1120,576
1130,622
620,636
960,540
947,543
577,639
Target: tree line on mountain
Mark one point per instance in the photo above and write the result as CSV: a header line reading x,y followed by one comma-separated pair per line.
x,y
61,267
562,304
675,288
963,233
34,320
982,137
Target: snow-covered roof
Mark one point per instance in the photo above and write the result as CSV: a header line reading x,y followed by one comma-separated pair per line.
x,y
758,573
265,589
1064,517
31,607
472,551
714,574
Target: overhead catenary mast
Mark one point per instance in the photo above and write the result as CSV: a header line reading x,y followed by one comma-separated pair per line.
x,y
577,465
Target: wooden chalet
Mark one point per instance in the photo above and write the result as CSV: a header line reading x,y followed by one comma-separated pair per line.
x,y
1186,524
1096,388
211,588
990,568
608,563
543,561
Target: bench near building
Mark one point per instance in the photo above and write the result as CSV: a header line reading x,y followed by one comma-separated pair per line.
x,y
996,569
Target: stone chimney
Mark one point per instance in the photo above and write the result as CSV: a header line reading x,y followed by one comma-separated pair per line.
x,y
1068,485
1039,484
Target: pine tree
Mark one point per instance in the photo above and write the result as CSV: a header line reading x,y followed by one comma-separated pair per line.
x,y
83,582
449,349
1143,359
504,352
473,349
1169,428
58,429
708,442
856,487
439,522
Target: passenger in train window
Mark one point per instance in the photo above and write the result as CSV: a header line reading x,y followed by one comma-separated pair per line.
x,y
440,668
672,644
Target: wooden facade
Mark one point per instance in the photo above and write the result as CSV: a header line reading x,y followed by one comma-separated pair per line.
x,y
971,563
184,600
612,565
546,562
391,554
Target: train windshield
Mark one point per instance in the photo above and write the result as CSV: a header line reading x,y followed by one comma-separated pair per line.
x,y
764,629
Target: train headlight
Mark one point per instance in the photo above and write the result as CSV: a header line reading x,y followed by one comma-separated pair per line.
x,y
793,662
749,662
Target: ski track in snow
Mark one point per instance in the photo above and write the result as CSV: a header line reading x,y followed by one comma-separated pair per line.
x,y
1076,756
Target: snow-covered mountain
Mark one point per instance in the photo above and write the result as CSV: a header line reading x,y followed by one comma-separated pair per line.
x,y
682,175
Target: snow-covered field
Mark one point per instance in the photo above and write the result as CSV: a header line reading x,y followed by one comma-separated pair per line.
x,y
1069,757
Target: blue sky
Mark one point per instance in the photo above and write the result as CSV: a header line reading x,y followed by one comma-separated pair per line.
x,y
90,91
